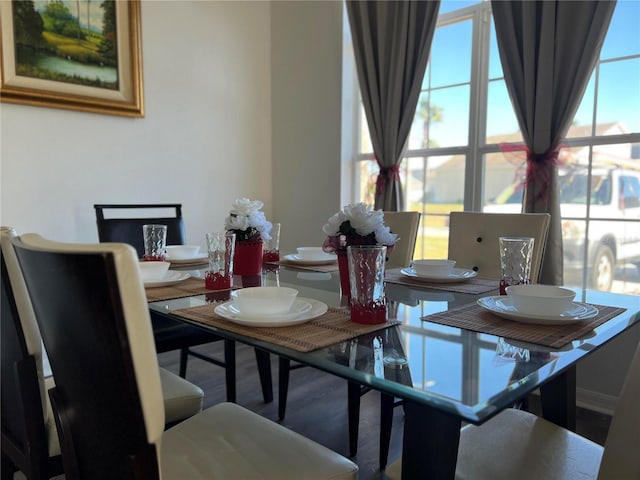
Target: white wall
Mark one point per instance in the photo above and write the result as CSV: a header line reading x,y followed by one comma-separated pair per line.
x,y
306,67
205,139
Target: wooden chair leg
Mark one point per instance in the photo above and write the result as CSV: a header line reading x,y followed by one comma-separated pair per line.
x,y
184,357
230,369
386,422
264,370
353,410
284,365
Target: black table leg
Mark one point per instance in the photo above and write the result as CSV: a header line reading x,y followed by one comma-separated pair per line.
x,y
558,399
430,443
264,371
230,369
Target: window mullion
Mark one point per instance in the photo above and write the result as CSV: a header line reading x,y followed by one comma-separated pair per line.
x,y
474,169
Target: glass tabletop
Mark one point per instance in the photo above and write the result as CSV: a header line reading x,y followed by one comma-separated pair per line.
x,y
468,374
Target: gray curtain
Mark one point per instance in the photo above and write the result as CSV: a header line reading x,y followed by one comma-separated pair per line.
x,y
391,42
548,50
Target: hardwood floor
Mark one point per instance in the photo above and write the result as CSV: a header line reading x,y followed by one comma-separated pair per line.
x,y
317,406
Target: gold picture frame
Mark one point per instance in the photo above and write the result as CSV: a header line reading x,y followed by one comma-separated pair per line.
x,y
123,93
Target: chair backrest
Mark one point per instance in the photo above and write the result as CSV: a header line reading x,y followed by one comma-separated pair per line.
x,y
405,224
24,437
127,228
620,458
473,239
91,308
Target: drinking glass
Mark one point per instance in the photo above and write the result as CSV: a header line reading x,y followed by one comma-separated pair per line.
x,y
220,247
515,261
271,251
155,242
366,277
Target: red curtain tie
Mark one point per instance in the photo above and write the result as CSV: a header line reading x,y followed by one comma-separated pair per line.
x,y
386,176
538,166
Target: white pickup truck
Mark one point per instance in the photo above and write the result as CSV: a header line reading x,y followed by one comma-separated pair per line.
x,y
614,230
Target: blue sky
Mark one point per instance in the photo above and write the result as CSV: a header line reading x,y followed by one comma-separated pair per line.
x,y
619,81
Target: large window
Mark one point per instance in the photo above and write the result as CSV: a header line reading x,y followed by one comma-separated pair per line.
x,y
453,159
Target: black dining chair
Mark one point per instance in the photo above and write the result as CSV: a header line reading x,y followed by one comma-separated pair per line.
x,y
123,223
107,400
29,441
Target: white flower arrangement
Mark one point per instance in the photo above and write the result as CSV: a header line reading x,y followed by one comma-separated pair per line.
x,y
357,224
247,221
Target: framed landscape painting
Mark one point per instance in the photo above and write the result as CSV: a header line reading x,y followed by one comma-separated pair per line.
x,y
73,54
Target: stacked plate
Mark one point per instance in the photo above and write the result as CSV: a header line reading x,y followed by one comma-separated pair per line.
x,y
170,278
502,306
178,254
311,256
157,274
456,275
302,310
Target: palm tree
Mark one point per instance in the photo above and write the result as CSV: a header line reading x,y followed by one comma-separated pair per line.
x,y
430,114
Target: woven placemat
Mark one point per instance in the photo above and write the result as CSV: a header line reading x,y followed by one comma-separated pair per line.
x,y
474,317
474,285
331,267
332,327
187,288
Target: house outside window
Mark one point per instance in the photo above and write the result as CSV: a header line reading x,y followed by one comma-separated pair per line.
x,y
453,159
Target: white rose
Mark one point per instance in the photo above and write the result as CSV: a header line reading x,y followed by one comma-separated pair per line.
x,y
246,207
233,222
332,227
362,218
384,236
258,221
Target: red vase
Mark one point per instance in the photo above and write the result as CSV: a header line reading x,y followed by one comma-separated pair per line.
x,y
343,268
247,258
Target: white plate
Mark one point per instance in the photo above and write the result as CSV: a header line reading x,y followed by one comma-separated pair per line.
x,y
295,258
502,306
170,278
457,275
178,261
300,313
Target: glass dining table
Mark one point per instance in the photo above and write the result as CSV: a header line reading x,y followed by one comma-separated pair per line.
x,y
446,375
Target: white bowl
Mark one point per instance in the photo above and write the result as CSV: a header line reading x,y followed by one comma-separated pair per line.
x,y
541,299
264,300
150,271
435,267
313,253
182,252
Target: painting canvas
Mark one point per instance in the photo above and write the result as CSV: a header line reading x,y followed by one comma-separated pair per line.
x,y
76,54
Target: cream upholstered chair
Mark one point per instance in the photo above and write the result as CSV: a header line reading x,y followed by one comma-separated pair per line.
x,y
473,239
405,224
518,444
107,400
29,437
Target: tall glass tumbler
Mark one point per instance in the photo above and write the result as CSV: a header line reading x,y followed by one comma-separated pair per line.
x,y
155,242
220,248
366,278
515,261
271,252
